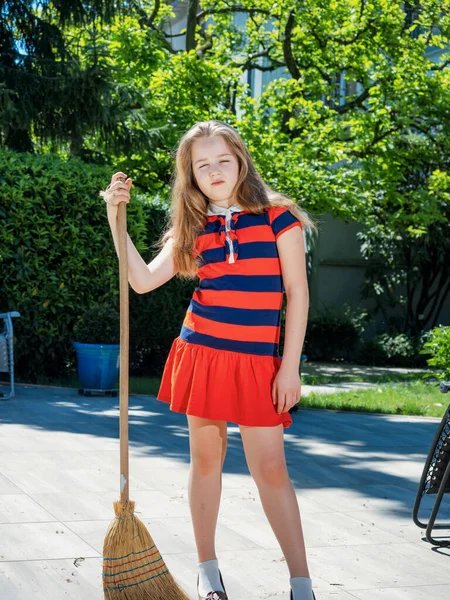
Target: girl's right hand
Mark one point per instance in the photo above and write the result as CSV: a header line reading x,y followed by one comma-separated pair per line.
x,y
118,190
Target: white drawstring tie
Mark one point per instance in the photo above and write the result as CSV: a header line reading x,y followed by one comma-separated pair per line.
x,y
214,209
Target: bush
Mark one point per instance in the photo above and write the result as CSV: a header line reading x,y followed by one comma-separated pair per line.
x,y
57,260
156,317
155,320
98,325
391,350
438,346
332,333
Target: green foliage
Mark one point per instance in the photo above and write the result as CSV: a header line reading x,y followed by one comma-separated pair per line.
x,y
438,346
155,321
407,234
98,325
391,350
57,258
336,153
332,333
46,94
156,317
125,90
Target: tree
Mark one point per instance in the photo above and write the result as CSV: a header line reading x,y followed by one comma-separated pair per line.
x,y
412,272
46,94
335,146
308,138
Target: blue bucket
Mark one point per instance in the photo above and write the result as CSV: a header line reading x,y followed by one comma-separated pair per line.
x,y
98,365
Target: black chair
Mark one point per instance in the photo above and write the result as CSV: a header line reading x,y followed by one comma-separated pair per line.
x,y
436,476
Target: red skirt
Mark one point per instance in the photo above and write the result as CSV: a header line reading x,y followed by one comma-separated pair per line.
x,y
221,385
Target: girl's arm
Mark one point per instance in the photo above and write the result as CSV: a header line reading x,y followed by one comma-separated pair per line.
x,y
142,277
291,250
286,389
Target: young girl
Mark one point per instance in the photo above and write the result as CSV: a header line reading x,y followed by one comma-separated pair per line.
x,y
245,243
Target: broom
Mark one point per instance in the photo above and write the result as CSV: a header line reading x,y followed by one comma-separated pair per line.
x,y
133,568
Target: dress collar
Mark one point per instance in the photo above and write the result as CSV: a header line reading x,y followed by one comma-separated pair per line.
x,y
215,209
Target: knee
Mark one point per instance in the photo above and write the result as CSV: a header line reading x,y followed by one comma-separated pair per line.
x,y
205,464
273,473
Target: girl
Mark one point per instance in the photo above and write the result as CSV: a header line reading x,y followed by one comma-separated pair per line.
x,y
245,243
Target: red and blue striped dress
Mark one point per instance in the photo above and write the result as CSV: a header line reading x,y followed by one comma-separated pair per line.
x,y
223,363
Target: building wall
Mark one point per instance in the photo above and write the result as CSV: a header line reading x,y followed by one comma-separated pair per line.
x,y
338,271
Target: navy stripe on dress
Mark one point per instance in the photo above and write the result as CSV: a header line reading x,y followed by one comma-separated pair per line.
x,y
248,220
258,250
261,348
245,283
246,250
284,220
236,316
211,227
213,255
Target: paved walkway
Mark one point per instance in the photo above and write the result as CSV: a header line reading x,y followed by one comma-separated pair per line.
x,y
331,388
355,476
351,369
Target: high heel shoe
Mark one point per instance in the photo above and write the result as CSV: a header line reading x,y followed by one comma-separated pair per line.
x,y
292,596
213,595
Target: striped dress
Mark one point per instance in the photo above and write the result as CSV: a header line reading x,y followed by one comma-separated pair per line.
x,y
223,363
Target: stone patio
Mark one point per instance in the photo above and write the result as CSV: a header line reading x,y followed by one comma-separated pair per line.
x,y
355,474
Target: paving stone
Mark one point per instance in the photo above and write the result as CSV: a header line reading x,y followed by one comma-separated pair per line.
x,y
20,508
7,486
51,580
34,541
355,476
428,592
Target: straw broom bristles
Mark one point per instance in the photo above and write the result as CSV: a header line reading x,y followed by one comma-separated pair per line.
x,y
133,568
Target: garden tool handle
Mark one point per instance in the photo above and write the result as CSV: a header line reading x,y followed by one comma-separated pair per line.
x,y
124,350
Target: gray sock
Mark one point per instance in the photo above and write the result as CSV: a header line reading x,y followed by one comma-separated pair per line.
x,y
301,588
209,580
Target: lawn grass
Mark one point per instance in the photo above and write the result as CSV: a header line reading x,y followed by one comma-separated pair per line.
x,y
405,398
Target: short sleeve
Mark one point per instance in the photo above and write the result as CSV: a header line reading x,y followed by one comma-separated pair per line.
x,y
281,220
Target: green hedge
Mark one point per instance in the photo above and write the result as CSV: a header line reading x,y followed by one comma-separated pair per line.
x,y
57,259
392,350
332,333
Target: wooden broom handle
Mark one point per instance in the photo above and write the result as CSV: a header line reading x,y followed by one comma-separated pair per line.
x,y
124,350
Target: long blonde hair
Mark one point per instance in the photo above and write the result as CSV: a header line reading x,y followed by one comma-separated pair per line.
x,y
189,204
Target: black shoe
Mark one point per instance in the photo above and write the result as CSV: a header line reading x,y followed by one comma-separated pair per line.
x,y
213,595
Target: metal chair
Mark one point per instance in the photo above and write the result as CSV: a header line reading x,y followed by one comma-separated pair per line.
x,y
7,351
436,476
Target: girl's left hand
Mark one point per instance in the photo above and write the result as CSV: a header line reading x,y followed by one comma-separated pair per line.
x,y
286,390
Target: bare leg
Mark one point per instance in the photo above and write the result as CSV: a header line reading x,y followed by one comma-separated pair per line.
x,y
264,451
281,508
208,443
